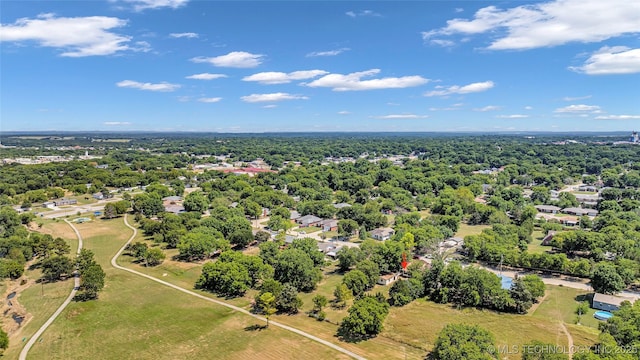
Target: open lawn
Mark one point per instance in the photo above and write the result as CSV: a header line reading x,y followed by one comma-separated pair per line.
x,y
135,317
308,230
466,229
536,247
138,318
419,323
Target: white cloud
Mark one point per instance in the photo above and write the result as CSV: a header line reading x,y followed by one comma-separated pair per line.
x,y
234,59
344,112
188,35
528,107
617,117
270,106
513,116
401,116
116,123
458,10
76,36
163,86
253,98
328,53
353,82
550,23
577,109
210,100
466,89
140,5
273,77
442,42
576,98
611,60
206,76
354,14
488,108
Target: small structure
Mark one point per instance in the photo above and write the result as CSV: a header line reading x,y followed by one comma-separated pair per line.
x,y
98,196
607,302
329,225
63,202
382,234
546,241
308,220
547,209
388,279
587,188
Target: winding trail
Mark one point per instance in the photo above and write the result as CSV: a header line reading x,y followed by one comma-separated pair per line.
x,y
569,340
36,336
233,307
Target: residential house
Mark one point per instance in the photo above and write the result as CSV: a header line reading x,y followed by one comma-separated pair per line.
x,y
550,209
382,234
607,302
308,220
294,216
580,211
388,279
173,204
98,196
329,225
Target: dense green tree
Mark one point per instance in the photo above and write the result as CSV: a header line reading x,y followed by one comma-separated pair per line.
x,y
365,319
224,278
356,281
56,267
154,256
196,201
606,280
91,282
4,340
371,270
295,267
464,342
348,257
288,300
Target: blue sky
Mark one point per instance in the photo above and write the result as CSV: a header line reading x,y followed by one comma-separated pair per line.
x,y
255,66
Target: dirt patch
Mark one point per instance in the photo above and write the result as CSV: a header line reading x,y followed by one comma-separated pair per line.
x,y
14,315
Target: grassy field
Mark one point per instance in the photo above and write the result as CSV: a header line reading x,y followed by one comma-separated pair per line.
x,y
38,300
466,229
137,318
418,324
536,247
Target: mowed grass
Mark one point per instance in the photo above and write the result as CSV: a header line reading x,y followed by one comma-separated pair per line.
x,y
138,318
560,304
466,229
42,299
536,247
410,331
419,323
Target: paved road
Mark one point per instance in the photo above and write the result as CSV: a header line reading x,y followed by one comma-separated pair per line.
x,y
36,336
239,309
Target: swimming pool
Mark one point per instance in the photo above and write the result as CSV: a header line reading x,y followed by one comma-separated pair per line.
x,y
602,315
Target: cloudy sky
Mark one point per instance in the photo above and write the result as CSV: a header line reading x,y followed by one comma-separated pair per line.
x,y
243,66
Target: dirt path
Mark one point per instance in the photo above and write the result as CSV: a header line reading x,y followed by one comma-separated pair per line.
x,y
27,347
569,340
233,307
